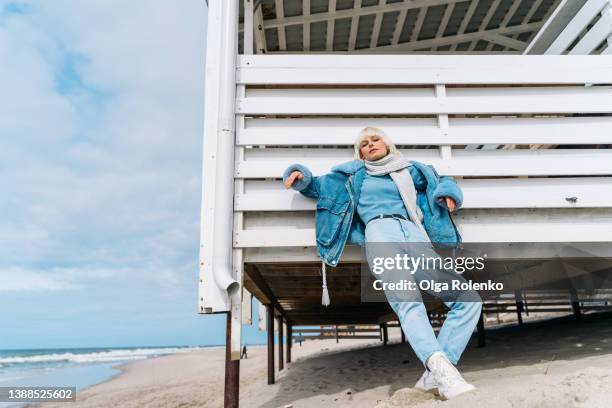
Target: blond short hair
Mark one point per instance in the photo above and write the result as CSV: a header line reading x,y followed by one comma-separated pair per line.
x,y
374,131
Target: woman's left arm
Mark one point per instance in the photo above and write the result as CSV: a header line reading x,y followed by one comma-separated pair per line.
x,y
447,188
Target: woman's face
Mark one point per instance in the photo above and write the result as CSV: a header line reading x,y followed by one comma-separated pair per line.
x,y
373,148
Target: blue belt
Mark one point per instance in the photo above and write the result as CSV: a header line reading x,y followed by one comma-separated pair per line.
x,y
379,216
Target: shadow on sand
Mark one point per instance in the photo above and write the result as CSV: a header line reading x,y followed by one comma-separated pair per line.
x,y
395,366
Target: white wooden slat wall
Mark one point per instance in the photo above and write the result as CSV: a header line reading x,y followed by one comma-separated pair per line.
x,y
313,111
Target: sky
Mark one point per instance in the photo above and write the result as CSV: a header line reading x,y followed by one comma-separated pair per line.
x,y
101,118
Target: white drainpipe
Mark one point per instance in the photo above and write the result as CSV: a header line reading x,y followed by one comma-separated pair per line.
x,y
224,192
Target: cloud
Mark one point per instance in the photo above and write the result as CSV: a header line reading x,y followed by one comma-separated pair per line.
x,y
54,279
31,109
100,142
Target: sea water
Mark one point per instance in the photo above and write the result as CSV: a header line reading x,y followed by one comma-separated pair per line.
x,y
76,367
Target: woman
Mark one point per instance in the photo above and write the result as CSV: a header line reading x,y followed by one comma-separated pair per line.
x,y
383,197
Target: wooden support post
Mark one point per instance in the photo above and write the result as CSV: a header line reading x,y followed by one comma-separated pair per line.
x,y
336,329
577,311
575,304
519,307
289,341
232,369
270,327
482,341
281,356
385,333
380,333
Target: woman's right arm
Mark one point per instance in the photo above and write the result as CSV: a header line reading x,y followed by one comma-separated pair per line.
x,y
304,182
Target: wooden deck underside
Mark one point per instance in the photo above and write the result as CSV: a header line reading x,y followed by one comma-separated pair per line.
x,y
295,290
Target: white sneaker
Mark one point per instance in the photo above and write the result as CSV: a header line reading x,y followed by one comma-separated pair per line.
x,y
450,383
427,383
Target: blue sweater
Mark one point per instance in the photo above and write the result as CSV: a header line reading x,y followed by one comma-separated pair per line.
x,y
379,195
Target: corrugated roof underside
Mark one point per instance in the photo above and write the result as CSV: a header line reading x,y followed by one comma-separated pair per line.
x,y
495,26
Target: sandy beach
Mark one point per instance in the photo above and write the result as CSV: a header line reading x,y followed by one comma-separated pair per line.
x,y
555,363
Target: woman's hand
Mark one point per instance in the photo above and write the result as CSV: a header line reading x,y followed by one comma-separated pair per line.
x,y
450,203
292,177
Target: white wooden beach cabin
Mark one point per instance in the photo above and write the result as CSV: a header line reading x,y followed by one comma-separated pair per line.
x,y
512,97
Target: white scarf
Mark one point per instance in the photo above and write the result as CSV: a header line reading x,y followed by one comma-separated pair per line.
x,y
396,166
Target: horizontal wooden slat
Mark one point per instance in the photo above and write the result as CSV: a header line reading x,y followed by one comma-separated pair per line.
x,y
331,331
359,92
537,225
425,131
485,232
359,337
374,101
423,69
535,310
295,254
269,222
270,163
354,254
487,193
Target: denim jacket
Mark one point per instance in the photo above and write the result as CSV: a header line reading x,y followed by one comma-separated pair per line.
x,y
337,194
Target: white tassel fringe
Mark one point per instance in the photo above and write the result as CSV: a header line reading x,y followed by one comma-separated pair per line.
x,y
325,297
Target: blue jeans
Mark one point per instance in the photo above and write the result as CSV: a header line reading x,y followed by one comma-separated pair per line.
x,y
461,318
